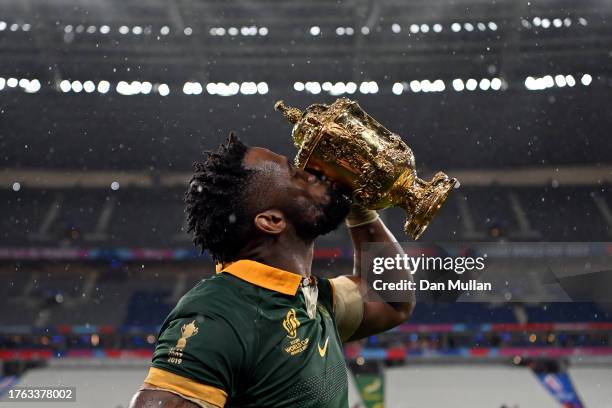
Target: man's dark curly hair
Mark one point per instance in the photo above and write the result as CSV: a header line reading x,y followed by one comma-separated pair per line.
x,y
216,201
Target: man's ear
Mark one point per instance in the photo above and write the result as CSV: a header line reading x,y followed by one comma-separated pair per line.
x,y
270,222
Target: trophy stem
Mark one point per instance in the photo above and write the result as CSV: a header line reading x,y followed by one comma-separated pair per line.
x,y
420,199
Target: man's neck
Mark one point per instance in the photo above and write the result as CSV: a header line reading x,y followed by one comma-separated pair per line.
x,y
289,255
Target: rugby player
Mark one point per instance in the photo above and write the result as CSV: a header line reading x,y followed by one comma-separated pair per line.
x,y
264,331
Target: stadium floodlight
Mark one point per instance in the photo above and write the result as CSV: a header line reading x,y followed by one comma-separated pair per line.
x,y
338,89
124,30
146,87
471,84
298,86
89,86
91,29
560,81
349,31
326,86
163,89
115,186
582,21
211,88
545,23
351,87
262,88
340,31
233,31
468,27
456,27
12,82
104,29
586,79
2,83
557,22
16,186
396,28
567,21
548,81
496,84
313,87
570,80
537,21
77,86
65,86
26,27
137,30
263,31
315,30
398,88
248,88
481,26
414,28
103,86
165,30
425,28
485,84
188,31
415,86
492,26
437,28
24,82
14,27
33,86
458,85
438,85
2,25
365,30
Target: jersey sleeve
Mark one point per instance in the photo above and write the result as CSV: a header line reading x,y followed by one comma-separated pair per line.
x,y
198,357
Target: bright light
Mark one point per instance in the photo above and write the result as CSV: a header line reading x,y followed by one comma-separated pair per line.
x,y
481,26
338,88
124,30
262,88
414,28
327,86
26,27
77,86
415,86
263,31
485,84
89,86
471,84
424,28
115,186
396,28
105,29
468,27
582,21
365,30
2,83
103,86
537,21
188,31
165,30
496,84
426,85
248,88
315,30
163,89
456,27
557,22
545,23
211,88
569,79
12,82
65,86
586,79
298,86
560,81
437,28
398,88
16,186
350,31
24,82
2,25
313,87
91,29
137,30
492,26
438,85
458,85
567,21
368,87
351,87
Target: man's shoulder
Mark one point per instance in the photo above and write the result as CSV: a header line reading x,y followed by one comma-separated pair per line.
x,y
221,293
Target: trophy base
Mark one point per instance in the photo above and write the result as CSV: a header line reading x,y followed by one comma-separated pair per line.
x,y
432,195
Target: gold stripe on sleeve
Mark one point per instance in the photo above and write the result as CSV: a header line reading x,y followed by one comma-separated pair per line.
x,y
185,386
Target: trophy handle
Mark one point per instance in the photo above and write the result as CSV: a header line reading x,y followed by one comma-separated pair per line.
x,y
420,199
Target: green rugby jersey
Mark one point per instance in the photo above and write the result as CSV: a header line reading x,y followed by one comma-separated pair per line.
x,y
243,338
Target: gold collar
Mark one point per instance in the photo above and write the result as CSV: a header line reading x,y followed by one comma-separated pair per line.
x,y
264,276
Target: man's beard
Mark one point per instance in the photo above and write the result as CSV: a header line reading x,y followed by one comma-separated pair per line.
x,y
311,219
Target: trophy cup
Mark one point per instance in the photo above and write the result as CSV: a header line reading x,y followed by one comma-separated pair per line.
x,y
351,148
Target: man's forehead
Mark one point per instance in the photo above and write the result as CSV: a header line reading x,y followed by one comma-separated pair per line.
x,y
259,157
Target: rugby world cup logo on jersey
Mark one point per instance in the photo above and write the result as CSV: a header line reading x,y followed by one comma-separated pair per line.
x,y
175,355
293,344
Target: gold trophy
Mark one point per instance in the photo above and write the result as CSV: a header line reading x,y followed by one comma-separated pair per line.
x,y
351,148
